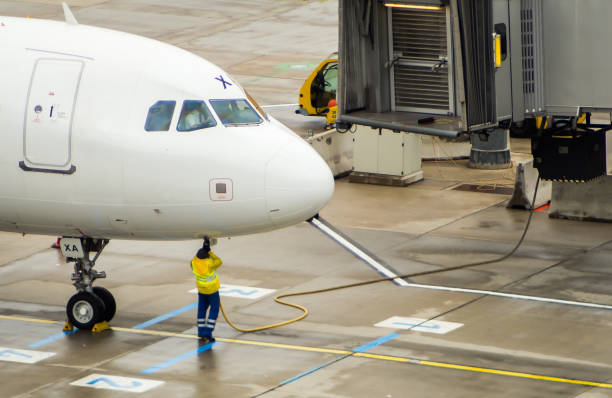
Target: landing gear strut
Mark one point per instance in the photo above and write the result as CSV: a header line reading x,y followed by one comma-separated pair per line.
x,y
91,306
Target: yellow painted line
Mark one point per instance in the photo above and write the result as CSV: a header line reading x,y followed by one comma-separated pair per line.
x,y
345,352
385,357
224,340
19,318
155,333
483,370
287,346
515,374
381,357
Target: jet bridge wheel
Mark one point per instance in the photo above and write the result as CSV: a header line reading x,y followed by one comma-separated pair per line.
x,y
108,300
84,310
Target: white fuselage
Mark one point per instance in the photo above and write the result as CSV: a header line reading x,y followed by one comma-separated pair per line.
x,y
76,159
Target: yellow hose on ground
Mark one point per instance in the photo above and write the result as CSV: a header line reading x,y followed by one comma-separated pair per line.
x,y
304,309
274,325
329,289
368,282
371,281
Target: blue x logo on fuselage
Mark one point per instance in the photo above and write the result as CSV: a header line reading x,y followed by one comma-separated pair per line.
x,y
222,80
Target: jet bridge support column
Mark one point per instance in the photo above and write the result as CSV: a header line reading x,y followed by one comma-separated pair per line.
x,y
490,150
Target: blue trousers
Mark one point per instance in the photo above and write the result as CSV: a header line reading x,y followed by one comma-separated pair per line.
x,y
207,325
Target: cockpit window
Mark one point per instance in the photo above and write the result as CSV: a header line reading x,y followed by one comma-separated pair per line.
x,y
233,112
195,116
160,116
259,108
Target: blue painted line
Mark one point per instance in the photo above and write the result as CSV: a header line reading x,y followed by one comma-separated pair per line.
x,y
362,348
50,339
376,342
180,358
306,373
417,325
143,325
166,316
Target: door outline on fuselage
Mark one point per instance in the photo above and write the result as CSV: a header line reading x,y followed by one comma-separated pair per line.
x,y
75,80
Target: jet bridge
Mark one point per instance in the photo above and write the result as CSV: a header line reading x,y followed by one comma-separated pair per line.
x,y
464,67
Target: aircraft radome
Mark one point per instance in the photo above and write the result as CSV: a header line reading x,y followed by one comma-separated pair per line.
x,y
111,135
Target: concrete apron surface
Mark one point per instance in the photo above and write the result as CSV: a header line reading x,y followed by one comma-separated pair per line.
x,y
487,335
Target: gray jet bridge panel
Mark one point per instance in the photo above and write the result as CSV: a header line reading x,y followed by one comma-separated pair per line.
x,y
577,61
503,79
555,60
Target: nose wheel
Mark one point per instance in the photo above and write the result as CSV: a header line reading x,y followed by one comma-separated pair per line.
x,y
91,307
85,310
109,302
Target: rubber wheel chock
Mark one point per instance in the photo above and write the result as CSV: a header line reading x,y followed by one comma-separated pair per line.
x,y
101,326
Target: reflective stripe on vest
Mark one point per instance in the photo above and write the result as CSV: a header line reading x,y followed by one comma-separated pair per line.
x,y
203,279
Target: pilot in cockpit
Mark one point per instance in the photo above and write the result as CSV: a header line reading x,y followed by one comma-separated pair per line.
x,y
224,110
195,116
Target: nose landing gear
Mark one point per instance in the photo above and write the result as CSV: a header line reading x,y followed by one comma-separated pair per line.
x,y
91,307
84,310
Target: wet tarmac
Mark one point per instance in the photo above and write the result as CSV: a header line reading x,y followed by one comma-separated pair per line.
x,y
476,332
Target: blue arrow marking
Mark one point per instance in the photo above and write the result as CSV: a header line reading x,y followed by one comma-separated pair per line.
x,y
417,325
222,80
241,292
113,384
7,353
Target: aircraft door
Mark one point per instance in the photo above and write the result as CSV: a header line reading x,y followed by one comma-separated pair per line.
x,y
49,115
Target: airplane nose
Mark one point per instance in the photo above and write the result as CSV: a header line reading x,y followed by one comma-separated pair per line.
x,y
298,184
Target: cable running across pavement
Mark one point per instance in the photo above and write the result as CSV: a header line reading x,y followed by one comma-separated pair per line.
x,y
280,297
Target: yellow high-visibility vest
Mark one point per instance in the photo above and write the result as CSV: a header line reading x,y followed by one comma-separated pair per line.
x,y
204,271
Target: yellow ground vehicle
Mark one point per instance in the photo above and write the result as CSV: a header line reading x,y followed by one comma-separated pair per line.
x,y
319,89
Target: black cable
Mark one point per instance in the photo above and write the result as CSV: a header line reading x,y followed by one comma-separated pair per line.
x,y
279,298
462,266
509,254
423,273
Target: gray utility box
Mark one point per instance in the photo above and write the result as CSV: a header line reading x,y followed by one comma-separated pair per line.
x,y
385,157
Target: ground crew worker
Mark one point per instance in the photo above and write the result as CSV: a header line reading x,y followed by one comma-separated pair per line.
x,y
204,265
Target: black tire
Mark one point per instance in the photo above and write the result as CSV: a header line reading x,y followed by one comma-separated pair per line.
x,y
84,310
108,300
